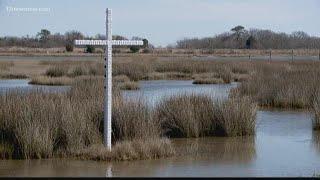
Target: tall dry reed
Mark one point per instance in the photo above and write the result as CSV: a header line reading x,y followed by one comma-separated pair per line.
x,y
282,84
199,115
43,125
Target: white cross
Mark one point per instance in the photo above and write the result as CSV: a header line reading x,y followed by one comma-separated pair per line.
x,y
108,68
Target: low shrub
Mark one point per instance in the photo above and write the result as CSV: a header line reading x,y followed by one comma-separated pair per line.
x,y
69,47
90,49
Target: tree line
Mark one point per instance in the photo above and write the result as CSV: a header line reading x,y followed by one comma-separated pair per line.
x,y
45,39
240,38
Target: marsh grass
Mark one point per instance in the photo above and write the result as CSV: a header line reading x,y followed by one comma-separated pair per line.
x,y
12,76
70,124
56,71
168,76
38,124
240,77
129,85
51,81
235,117
207,78
202,116
4,66
151,148
133,120
282,84
141,68
150,68
136,69
185,115
121,78
6,151
316,111
208,81
80,71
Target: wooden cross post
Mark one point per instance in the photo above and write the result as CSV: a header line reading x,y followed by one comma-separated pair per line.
x,y
108,71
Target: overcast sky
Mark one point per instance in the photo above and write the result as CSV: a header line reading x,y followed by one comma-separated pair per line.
x,y
161,21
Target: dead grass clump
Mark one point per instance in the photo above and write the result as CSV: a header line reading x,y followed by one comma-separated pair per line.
x,y
185,115
97,69
32,123
129,150
129,85
136,69
133,120
219,77
201,116
167,76
235,117
51,81
225,75
56,71
13,76
78,71
240,77
121,78
208,81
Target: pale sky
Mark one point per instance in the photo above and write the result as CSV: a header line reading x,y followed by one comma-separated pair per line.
x,y
163,22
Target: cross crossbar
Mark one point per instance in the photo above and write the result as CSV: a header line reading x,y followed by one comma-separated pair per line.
x,y
114,42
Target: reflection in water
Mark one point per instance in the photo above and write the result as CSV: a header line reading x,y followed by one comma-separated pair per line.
x,y
53,167
109,171
23,86
218,149
316,141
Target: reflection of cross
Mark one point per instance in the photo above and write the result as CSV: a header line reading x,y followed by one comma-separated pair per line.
x,y
108,68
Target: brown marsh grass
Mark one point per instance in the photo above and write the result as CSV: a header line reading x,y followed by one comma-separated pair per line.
x,y
282,84
6,73
134,67
316,111
6,65
38,124
208,81
51,81
12,76
129,85
151,148
199,115
44,125
235,117
185,115
56,71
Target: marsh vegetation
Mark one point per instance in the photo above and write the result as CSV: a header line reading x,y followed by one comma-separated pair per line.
x,y
45,125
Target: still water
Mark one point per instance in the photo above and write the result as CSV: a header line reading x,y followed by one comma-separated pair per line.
x,y
284,145
22,85
153,91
